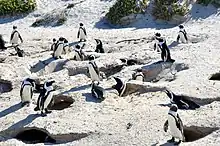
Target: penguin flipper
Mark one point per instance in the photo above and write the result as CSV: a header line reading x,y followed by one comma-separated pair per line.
x,y
165,126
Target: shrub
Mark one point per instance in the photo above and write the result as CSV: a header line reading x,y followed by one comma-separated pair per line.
x,y
167,9
121,9
12,7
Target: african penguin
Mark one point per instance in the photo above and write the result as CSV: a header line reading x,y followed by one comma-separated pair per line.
x,y
175,125
79,54
181,101
15,36
26,91
97,91
46,97
120,86
156,44
2,43
59,48
182,36
139,76
53,46
129,62
93,69
81,33
99,47
19,52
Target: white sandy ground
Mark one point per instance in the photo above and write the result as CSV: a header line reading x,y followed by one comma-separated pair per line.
x,y
107,120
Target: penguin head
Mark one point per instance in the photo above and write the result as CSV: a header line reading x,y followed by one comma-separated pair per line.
x,y
91,57
49,83
181,26
174,108
61,39
118,84
14,27
124,61
77,46
80,24
54,40
157,34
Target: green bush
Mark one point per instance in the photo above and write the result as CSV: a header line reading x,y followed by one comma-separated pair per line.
x,y
123,8
12,7
165,10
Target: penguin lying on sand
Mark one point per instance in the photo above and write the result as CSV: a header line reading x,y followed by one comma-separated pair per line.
x,y
181,101
99,47
120,86
175,125
97,91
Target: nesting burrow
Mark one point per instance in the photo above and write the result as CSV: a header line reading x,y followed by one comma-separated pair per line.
x,y
5,86
194,133
48,66
162,70
215,76
34,135
61,102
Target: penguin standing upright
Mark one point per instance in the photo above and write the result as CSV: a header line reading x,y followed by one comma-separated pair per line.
x,y
26,91
97,91
182,36
2,43
59,48
156,44
139,76
53,46
46,97
120,86
15,37
79,55
175,124
81,33
99,47
93,69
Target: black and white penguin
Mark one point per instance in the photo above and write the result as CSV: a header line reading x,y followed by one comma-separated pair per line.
x,y
19,52
26,91
99,47
81,33
45,97
53,46
165,52
183,102
175,125
120,86
182,36
139,76
97,91
15,37
59,48
156,44
129,62
2,43
79,54
93,69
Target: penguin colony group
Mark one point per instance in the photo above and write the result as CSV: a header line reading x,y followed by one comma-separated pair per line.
x,y
29,85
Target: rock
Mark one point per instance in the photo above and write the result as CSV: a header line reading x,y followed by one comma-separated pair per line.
x,y
61,102
5,86
76,67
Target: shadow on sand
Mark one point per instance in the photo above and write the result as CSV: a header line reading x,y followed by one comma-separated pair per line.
x,y
11,109
90,98
11,19
75,89
41,64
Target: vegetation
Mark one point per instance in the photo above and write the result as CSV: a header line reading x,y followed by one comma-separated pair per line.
x,y
123,8
207,2
12,7
164,9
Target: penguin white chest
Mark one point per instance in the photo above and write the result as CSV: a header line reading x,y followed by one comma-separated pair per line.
x,y
59,50
77,56
174,131
182,38
82,35
26,94
15,38
94,76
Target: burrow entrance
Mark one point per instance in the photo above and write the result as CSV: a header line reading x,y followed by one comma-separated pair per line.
x,y
215,76
5,86
61,102
34,135
162,71
194,133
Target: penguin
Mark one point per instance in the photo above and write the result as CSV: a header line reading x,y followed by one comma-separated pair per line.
x,y
59,49
165,52
93,69
81,33
15,37
156,44
2,43
139,76
53,46
182,36
66,47
181,101
97,91
79,55
99,47
46,97
120,86
129,62
26,91
175,124
19,52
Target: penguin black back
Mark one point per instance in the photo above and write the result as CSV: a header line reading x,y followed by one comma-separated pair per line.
x,y
119,85
97,91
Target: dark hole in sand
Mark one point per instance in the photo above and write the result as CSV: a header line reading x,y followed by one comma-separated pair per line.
x,y
5,86
61,102
33,135
194,133
215,76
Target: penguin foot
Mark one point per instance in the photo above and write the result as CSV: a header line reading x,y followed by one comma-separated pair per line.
x,y
25,104
47,111
171,140
177,143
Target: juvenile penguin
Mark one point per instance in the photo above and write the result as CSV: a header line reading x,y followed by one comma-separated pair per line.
x,y
97,91
139,76
15,37
99,47
181,101
182,36
175,124
120,86
2,43
53,46
26,91
93,69
81,33
59,49
79,55
46,97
